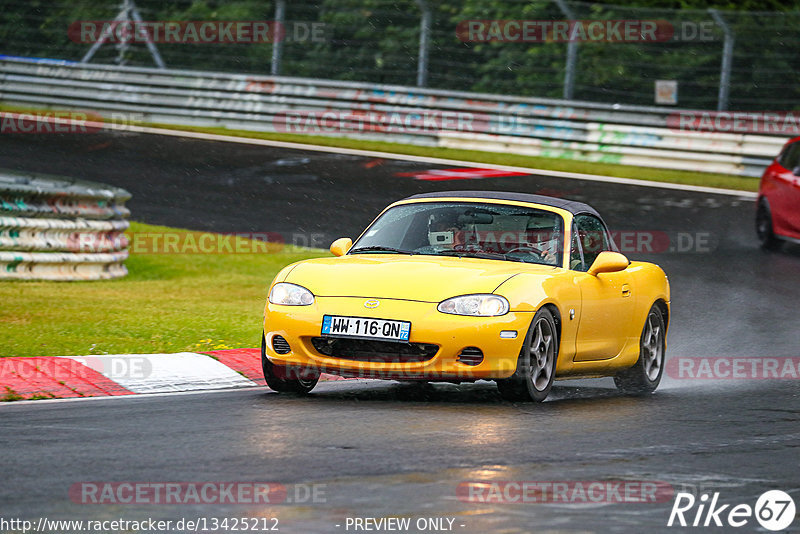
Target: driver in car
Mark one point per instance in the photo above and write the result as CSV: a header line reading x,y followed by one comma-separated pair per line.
x,y
543,236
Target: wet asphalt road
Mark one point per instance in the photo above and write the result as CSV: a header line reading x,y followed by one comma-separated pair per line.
x,y
391,449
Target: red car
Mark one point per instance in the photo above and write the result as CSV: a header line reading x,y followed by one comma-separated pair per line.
x,y
778,213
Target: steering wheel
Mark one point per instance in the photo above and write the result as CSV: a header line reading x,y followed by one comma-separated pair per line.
x,y
526,248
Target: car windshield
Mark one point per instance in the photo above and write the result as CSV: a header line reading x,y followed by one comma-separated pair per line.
x,y
468,229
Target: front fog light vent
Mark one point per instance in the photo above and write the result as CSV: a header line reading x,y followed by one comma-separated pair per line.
x,y
280,345
471,356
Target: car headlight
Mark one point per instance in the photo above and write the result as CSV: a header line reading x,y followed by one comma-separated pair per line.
x,y
290,295
477,305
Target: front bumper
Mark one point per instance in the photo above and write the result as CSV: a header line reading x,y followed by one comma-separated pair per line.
x,y
299,325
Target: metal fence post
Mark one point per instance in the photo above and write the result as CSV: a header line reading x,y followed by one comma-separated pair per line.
x,y
150,44
424,40
572,55
128,11
277,39
727,61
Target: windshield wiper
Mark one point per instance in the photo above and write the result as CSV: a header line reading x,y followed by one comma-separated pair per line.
x,y
378,248
482,254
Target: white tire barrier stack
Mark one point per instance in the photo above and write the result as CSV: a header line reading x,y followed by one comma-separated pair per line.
x,y
54,228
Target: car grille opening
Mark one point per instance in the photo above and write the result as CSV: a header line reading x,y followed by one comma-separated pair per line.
x,y
470,356
280,345
374,351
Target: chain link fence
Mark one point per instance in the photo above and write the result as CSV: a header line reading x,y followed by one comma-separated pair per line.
x,y
611,54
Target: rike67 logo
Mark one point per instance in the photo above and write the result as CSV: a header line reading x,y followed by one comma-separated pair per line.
x,y
774,510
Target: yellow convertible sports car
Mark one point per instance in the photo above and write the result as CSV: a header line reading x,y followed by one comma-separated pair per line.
x,y
468,285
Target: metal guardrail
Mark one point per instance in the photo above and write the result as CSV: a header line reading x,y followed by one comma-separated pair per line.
x,y
630,135
54,228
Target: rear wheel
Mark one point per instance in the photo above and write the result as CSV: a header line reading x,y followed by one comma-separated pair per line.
x,y
764,227
536,364
286,380
645,376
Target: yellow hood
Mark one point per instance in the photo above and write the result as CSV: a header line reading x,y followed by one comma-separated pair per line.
x,y
421,278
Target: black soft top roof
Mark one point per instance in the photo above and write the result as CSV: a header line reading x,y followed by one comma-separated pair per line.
x,y
571,206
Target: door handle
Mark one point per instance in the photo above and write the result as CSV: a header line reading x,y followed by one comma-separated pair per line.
x,y
626,290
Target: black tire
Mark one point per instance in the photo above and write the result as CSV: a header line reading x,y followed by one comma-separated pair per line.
x,y
533,378
286,380
766,236
645,375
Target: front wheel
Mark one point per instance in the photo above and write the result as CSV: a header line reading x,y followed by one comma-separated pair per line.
x,y
645,376
536,364
286,380
766,235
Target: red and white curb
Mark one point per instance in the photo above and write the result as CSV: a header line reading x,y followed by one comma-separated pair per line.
x,y
129,374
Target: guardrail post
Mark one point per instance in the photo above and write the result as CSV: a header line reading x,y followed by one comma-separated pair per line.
x,y
572,55
277,43
424,41
727,61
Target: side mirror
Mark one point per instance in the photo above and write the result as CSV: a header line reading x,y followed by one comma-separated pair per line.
x,y
341,246
796,171
608,262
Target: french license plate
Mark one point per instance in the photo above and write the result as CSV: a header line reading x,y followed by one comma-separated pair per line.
x,y
362,327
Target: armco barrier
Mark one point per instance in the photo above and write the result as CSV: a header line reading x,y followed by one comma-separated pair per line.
x,y
54,228
633,135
